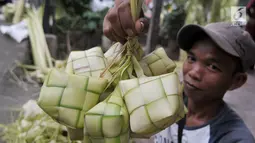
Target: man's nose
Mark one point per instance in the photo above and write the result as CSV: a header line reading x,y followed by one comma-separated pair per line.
x,y
196,72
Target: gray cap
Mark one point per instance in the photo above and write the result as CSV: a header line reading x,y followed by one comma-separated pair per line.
x,y
232,39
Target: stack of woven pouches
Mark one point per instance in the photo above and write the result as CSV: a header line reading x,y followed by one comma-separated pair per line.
x,y
114,96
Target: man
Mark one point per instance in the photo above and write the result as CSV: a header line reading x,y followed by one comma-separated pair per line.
x,y
219,54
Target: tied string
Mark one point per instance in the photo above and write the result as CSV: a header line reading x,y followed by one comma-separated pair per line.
x,y
131,47
131,51
125,65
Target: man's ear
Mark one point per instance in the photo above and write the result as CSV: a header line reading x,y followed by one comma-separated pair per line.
x,y
239,79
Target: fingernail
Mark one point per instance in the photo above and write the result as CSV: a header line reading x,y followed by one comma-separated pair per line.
x,y
129,32
142,26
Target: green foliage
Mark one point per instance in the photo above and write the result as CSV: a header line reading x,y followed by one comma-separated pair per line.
x,y
206,11
172,22
76,7
33,126
79,16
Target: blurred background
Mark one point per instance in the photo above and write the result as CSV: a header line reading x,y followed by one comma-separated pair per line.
x,y
78,24
30,27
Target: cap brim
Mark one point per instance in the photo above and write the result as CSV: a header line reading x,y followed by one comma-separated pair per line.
x,y
189,33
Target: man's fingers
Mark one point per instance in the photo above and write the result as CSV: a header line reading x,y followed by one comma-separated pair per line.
x,y
112,28
142,25
118,22
114,37
110,36
107,29
113,18
118,38
118,2
125,18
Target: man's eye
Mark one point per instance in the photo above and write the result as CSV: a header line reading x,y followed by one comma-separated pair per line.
x,y
214,67
191,59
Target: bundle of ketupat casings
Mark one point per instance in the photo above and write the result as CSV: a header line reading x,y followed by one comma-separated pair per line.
x,y
115,96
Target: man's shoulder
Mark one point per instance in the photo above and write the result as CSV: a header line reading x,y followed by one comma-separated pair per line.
x,y
229,127
238,135
227,117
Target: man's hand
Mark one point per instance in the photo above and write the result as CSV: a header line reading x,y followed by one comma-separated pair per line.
x,y
118,22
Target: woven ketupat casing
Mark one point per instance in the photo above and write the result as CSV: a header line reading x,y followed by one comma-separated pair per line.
x,y
67,97
115,51
108,121
90,62
154,103
87,63
157,63
112,52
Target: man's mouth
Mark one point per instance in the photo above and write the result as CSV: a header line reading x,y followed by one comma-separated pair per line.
x,y
191,86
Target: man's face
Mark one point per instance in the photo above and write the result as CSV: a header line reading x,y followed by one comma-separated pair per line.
x,y
208,72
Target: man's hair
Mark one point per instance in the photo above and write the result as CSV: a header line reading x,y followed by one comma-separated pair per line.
x,y
239,67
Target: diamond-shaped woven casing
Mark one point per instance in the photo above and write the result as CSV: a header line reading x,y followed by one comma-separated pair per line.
x,y
113,51
67,97
154,103
87,63
108,121
154,64
157,63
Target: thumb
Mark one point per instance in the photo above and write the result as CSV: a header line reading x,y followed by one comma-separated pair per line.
x,y
142,25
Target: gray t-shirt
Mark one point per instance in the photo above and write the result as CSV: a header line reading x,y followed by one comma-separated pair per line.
x,y
226,127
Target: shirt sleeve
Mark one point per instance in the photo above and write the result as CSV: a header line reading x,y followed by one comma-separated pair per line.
x,y
237,137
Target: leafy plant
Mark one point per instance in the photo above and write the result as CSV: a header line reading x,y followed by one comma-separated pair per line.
x,y
79,16
172,22
206,11
76,7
